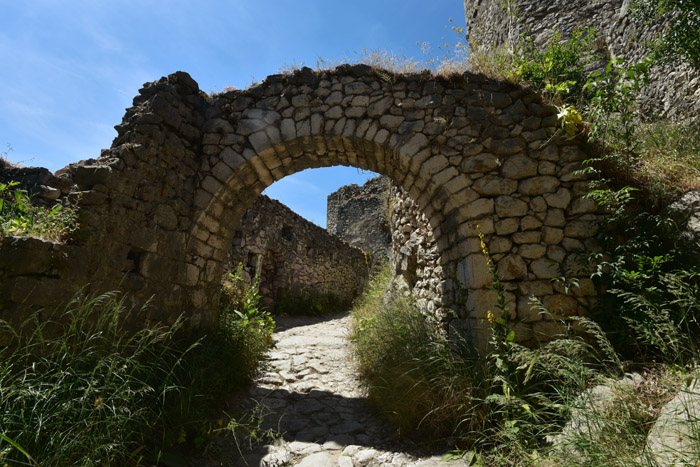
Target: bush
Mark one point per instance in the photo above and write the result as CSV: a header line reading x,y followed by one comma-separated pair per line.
x,y
680,38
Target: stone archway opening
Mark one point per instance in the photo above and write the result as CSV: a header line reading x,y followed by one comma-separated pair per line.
x,y
302,264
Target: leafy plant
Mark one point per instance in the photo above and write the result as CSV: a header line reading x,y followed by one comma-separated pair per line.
x,y
679,38
560,69
19,216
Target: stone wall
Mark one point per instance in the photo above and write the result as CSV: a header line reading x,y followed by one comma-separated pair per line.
x,y
299,259
674,90
357,215
415,258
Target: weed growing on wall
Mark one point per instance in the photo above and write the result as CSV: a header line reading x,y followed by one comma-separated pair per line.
x,y
679,38
20,217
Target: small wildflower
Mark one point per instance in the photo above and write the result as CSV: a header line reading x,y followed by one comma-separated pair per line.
x,y
490,317
99,402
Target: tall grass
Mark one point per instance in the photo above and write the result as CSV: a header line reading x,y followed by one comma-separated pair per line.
x,y
77,388
409,368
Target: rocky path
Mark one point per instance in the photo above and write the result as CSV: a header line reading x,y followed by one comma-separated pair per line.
x,y
313,397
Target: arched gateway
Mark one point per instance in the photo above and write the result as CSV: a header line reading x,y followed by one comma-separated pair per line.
x,y
159,208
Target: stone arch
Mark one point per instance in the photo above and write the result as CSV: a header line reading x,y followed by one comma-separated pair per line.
x,y
160,206
250,178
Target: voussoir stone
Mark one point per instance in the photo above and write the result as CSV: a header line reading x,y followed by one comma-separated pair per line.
x,y
507,206
519,166
492,185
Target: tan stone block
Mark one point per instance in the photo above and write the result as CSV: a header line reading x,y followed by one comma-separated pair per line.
x,y
583,205
560,199
472,228
552,236
581,228
528,311
537,288
458,183
518,166
476,272
556,253
507,206
491,185
572,244
560,305
538,204
435,164
500,245
532,250
545,268
523,333
507,226
480,163
482,301
512,267
446,175
477,209
261,170
532,236
530,223
538,185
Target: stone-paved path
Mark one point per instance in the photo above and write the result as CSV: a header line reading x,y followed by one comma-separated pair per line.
x,y
314,399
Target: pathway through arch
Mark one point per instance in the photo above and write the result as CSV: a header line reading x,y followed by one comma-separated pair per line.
x,y
313,396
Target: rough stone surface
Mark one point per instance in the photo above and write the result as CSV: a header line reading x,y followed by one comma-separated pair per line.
x,y
298,259
673,438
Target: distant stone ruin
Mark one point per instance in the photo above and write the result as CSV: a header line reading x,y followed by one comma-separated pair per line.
x,y
299,260
358,216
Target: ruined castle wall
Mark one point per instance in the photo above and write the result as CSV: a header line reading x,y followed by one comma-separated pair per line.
x,y
299,259
357,215
674,90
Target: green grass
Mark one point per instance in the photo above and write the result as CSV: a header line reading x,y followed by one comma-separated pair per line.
x,y
509,407
76,388
410,370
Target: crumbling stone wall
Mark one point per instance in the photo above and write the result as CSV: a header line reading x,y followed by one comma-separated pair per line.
x,y
675,88
160,207
358,216
299,258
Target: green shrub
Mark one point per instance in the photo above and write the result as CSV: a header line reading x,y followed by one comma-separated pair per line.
x,y
679,38
652,278
560,70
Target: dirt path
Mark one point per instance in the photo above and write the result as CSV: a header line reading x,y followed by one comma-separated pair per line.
x,y
314,399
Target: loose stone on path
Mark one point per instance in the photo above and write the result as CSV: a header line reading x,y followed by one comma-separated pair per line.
x,y
313,397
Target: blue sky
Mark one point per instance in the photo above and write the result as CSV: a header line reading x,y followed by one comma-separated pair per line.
x,y
71,67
